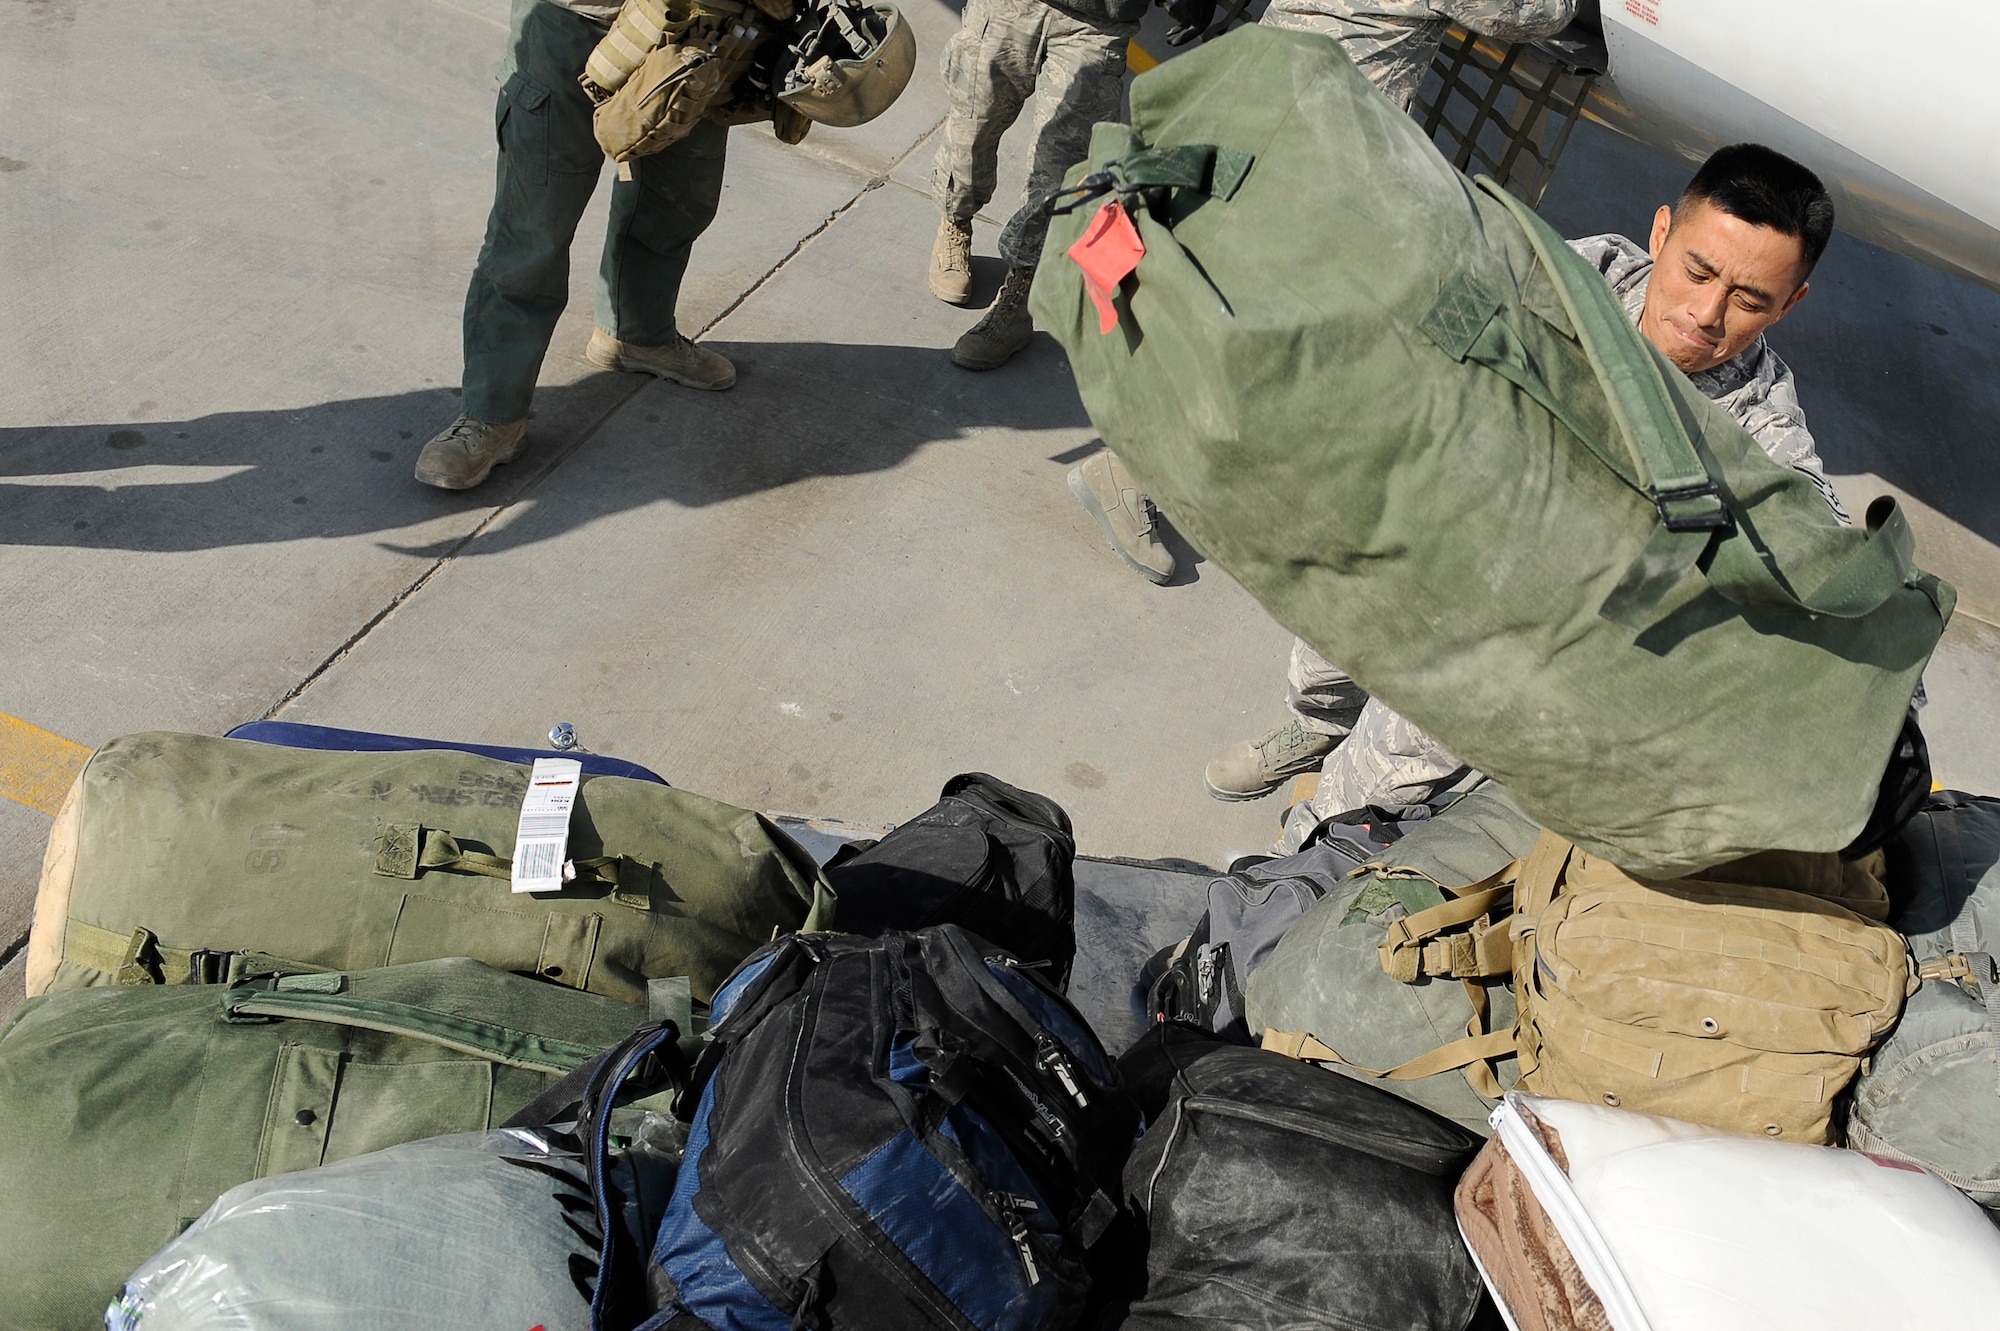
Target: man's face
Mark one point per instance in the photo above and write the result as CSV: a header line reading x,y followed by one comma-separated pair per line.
x,y
1718,281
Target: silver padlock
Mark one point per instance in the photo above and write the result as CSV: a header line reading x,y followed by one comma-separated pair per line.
x,y
562,735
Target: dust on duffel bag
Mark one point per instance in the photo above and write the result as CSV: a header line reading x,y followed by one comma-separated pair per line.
x,y
1397,408
127,1111
184,858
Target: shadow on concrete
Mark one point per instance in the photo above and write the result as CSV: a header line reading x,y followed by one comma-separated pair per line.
x,y
342,468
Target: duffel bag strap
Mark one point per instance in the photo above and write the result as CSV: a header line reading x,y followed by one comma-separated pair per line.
x,y
405,850
324,998
1470,1054
1202,167
140,958
1412,947
1671,470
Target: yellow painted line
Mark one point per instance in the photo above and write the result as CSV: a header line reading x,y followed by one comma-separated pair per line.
x,y
36,768
1137,57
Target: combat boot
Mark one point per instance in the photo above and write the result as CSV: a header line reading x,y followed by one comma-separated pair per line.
x,y
1255,767
1007,327
1109,493
466,450
951,262
680,361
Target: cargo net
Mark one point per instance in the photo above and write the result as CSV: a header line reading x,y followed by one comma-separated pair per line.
x,y
1499,110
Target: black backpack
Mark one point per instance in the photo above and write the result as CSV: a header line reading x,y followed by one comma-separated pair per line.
x,y
987,856
1201,980
1273,1194
909,1131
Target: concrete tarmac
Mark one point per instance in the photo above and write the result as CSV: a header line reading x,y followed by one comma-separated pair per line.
x,y
233,277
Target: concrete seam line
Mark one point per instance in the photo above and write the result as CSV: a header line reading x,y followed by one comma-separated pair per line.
x,y
339,653
485,524
790,255
874,183
13,949
810,148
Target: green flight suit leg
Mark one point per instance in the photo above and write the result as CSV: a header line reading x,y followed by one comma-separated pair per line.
x,y
548,167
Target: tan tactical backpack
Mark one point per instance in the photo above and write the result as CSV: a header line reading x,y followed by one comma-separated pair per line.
x,y
1742,999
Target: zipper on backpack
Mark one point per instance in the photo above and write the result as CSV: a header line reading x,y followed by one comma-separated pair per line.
x,y
1010,1208
1050,1058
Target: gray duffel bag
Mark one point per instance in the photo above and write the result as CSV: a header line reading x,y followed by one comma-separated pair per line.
x,y
1932,1093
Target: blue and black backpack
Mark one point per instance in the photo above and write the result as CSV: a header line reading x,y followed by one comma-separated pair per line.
x,y
908,1131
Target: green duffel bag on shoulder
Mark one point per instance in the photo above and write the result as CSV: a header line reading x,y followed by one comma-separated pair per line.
x,y
1931,1093
1324,982
125,1112
1421,431
183,858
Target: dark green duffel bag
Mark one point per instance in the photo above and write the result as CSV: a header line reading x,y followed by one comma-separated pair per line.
x,y
1419,429
125,1112
183,857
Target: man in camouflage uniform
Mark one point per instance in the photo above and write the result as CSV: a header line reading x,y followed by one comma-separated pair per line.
x,y
549,166
1706,319
1392,42
991,66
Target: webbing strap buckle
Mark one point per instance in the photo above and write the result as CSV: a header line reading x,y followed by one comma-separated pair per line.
x,y
1092,186
1671,505
206,966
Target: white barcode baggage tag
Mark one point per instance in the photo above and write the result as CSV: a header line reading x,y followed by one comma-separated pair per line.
x,y
541,840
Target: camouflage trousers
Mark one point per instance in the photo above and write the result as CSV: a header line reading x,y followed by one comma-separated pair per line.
x,y
991,66
1381,758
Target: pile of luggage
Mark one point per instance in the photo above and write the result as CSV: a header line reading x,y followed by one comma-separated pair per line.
x,y
298,1057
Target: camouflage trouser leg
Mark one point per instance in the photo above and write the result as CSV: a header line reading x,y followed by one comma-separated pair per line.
x,y
1323,696
991,65
1384,760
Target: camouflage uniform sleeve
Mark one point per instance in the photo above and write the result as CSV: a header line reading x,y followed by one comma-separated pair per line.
x,y
1778,423
1510,20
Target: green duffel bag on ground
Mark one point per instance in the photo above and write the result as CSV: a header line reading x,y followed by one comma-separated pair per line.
x,y
125,1112
183,857
1421,431
1324,979
1931,1094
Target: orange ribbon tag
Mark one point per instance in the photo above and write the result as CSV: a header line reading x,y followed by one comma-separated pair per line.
x,y
1108,252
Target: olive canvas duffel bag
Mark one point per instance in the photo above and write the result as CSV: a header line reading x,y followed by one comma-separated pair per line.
x,y
184,858
1931,1093
127,1111
1422,432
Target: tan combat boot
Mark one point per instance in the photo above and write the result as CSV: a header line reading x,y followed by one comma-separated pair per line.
x,y
466,450
951,262
680,361
1255,767
1110,494
1007,327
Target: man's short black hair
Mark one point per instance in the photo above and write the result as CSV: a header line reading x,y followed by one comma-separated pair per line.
x,y
1765,188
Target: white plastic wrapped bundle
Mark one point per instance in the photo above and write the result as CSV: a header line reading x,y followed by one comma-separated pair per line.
x,y
462,1233
1581,1215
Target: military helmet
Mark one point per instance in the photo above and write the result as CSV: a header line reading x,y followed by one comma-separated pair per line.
x,y
852,66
